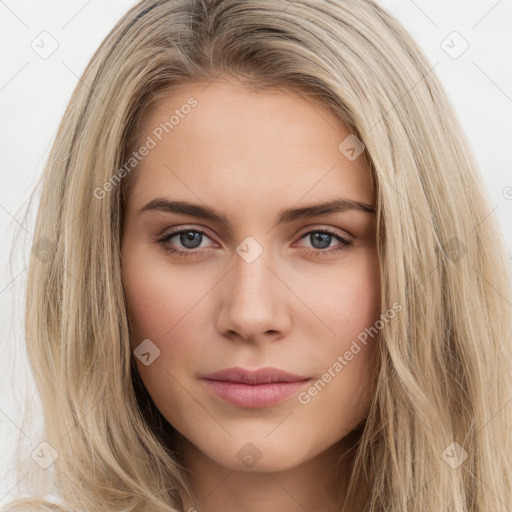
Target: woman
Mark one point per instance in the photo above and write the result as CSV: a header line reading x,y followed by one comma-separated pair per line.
x,y
272,278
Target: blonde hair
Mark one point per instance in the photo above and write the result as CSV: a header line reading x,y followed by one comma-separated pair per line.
x,y
445,373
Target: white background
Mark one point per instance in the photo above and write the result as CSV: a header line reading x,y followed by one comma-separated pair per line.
x,y
35,91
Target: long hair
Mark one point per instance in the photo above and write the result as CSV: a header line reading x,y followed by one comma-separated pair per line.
x,y
438,434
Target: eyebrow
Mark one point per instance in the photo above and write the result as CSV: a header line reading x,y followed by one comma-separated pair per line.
x,y
284,216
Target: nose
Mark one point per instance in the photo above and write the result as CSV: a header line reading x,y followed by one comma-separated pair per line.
x,y
255,304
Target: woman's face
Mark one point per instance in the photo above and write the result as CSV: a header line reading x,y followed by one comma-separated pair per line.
x,y
255,280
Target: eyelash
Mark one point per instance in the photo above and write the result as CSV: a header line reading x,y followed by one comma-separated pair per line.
x,y
345,243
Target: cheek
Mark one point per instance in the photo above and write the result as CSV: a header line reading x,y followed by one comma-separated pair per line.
x,y
165,308
349,306
159,299
343,300
358,302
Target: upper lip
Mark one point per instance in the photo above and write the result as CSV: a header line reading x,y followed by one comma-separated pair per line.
x,y
261,376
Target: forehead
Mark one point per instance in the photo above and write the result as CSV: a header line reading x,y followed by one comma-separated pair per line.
x,y
225,141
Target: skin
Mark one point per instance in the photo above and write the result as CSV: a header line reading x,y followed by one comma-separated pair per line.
x,y
248,155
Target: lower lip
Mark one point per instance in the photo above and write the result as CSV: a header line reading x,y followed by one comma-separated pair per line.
x,y
254,396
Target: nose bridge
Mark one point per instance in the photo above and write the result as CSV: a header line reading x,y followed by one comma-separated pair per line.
x,y
252,280
251,275
253,300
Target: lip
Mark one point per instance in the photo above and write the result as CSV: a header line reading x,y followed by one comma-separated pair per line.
x,y
254,388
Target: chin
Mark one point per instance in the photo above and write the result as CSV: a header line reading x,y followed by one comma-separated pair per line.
x,y
260,456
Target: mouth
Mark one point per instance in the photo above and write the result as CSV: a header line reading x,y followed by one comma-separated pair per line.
x,y
254,389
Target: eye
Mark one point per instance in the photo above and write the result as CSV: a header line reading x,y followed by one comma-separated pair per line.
x,y
321,239
191,242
